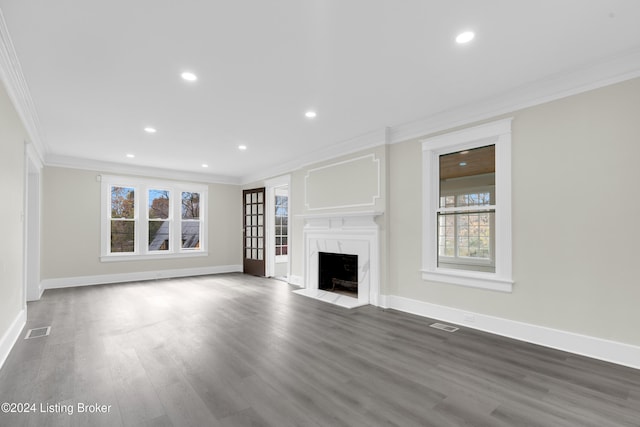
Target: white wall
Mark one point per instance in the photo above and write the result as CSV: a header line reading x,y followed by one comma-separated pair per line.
x,y
12,176
71,231
575,209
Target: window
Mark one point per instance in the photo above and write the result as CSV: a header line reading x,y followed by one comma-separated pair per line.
x,y
466,212
139,219
467,207
282,221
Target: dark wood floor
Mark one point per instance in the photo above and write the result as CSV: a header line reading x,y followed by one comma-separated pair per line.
x,y
235,350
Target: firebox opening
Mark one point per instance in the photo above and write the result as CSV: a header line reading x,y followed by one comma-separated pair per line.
x,y
338,273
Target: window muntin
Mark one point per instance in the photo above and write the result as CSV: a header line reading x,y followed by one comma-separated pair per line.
x,y
147,219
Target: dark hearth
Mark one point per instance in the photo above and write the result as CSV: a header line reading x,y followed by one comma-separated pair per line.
x,y
338,273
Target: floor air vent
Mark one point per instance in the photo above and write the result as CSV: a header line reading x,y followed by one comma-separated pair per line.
x,y
444,327
38,332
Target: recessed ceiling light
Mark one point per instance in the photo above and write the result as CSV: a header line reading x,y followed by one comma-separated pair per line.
x,y
465,37
242,147
464,152
204,165
149,129
189,76
131,156
310,114
463,163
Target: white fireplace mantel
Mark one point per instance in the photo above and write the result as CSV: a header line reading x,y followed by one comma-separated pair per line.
x,y
353,233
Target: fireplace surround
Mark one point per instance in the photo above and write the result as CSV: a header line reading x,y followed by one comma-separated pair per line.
x,y
351,233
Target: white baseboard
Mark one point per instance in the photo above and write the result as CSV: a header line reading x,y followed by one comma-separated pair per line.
x,y
40,292
297,281
383,302
68,282
597,348
11,335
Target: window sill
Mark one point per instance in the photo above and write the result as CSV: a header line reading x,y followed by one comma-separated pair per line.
x,y
471,279
146,257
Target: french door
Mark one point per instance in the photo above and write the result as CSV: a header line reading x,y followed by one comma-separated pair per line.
x,y
253,207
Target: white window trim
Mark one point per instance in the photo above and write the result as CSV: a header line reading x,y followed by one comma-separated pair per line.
x,y
142,187
498,133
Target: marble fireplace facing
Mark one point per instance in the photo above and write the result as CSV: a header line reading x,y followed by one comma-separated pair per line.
x,y
348,241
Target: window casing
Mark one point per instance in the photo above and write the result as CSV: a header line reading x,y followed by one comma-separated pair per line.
x,y
148,219
467,233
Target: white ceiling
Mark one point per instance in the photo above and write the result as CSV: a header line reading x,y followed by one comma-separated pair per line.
x,y
100,71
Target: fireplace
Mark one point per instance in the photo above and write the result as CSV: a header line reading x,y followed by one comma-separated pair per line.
x,y
338,273
349,238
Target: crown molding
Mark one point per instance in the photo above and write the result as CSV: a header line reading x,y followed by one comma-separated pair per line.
x,y
18,90
55,160
608,71
362,142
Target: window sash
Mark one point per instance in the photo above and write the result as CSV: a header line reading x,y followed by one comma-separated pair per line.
x,y
479,193
190,243
125,243
458,235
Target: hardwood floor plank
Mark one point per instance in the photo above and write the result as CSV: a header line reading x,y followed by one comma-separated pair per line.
x,y
221,396
245,418
93,385
273,405
55,380
137,398
236,350
184,407
163,421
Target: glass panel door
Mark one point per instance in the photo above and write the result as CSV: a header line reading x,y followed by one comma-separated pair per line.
x,y
253,207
